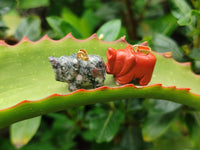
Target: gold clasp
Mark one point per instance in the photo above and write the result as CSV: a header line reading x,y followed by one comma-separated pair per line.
x,y
82,54
143,49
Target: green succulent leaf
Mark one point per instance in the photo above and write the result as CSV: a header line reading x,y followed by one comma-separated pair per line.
x,y
182,11
186,20
157,123
110,30
163,27
162,43
61,27
104,128
80,24
23,131
193,125
196,66
23,4
28,88
132,139
195,54
195,12
162,107
6,6
29,27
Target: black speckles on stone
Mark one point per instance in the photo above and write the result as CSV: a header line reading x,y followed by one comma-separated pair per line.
x,y
77,72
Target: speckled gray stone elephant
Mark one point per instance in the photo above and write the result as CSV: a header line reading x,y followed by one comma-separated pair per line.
x,y
79,69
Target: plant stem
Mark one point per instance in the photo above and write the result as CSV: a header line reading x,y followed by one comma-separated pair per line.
x,y
143,11
129,20
112,105
196,38
196,118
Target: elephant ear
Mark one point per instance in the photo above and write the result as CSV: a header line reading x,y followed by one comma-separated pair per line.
x,y
111,55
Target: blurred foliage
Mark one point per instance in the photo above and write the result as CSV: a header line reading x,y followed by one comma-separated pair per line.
x,y
20,132
139,124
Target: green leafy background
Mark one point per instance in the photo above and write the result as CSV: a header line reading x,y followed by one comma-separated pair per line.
x,y
126,117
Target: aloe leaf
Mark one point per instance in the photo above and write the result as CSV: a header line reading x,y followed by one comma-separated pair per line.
x,y
28,88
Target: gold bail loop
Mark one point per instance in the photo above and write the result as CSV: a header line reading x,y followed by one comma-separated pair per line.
x,y
82,54
143,49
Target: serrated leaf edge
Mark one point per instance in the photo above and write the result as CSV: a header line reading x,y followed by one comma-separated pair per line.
x,y
69,35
